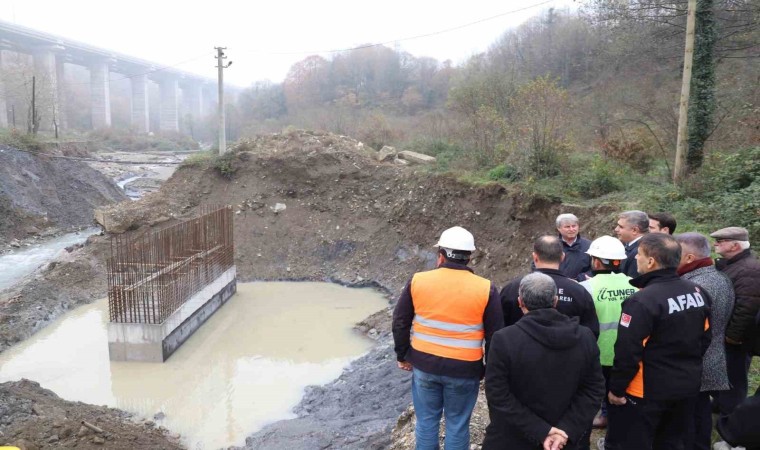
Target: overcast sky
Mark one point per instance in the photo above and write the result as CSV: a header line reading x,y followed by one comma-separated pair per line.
x,y
264,39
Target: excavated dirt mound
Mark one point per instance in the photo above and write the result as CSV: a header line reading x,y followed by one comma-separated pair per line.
x,y
39,192
33,418
317,206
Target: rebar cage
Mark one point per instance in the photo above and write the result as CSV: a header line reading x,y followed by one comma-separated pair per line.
x,y
153,275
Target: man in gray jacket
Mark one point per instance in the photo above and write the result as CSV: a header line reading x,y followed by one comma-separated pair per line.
x,y
697,266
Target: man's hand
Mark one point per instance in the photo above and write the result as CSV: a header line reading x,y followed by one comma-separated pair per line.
x,y
403,365
732,342
616,400
555,440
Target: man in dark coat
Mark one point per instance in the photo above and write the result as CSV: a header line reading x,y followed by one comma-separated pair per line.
x,y
576,264
631,227
740,427
742,337
697,267
574,299
544,381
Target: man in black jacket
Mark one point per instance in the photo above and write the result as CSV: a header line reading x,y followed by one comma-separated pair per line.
x,y
544,381
742,337
577,264
574,299
653,392
631,227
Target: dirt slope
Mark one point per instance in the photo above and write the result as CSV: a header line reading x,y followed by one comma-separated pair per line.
x,y
33,418
317,206
347,217
40,192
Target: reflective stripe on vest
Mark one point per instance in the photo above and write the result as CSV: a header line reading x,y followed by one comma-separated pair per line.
x,y
449,306
608,291
447,326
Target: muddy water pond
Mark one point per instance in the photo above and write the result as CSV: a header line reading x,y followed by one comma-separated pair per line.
x,y
246,367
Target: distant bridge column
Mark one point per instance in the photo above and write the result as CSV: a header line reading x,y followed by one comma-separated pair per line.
x,y
140,117
46,86
193,93
100,93
3,102
209,102
192,103
169,117
61,92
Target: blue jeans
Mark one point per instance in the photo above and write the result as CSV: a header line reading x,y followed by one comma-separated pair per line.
x,y
436,394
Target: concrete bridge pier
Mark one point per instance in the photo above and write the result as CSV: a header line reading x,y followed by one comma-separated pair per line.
x,y
3,102
169,115
140,115
210,101
60,94
192,99
100,93
46,86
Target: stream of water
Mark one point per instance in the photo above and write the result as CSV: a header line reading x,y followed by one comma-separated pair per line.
x,y
16,265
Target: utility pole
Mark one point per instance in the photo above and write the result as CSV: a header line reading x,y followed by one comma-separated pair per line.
x,y
682,143
220,56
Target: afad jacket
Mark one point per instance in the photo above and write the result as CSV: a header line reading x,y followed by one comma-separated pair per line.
x,y
662,335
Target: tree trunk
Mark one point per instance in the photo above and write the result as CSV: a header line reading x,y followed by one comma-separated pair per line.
x,y
702,101
679,170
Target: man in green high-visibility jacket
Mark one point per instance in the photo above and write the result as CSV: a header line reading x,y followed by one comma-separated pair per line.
x,y
608,289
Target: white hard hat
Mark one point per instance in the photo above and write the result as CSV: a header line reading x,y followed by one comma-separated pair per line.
x,y
607,247
457,238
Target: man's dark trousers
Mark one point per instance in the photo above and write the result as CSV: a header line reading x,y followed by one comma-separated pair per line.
x,y
643,424
737,365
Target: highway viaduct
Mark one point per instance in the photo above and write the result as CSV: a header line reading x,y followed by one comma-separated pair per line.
x,y
178,90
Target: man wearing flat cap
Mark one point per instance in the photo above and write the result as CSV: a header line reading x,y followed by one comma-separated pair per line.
x,y
742,333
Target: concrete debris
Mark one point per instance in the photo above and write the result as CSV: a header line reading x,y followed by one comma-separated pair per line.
x,y
416,158
387,153
278,207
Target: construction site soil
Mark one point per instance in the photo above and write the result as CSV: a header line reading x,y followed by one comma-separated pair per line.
x,y
308,206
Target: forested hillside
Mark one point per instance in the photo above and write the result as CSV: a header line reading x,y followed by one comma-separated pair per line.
x,y
580,104
603,78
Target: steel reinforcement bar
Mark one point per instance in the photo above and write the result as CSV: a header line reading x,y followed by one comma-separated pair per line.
x,y
152,275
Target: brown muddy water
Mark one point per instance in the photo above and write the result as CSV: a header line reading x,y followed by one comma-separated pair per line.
x,y
246,367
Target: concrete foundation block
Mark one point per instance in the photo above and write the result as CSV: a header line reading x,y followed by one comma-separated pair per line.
x,y
157,342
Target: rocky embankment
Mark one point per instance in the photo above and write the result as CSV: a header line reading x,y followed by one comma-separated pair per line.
x,y
41,194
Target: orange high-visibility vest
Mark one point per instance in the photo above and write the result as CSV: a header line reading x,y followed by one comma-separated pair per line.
x,y
448,307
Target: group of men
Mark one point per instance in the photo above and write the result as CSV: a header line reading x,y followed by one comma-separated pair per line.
x,y
642,334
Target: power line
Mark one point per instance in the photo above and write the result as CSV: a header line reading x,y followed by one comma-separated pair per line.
x,y
409,38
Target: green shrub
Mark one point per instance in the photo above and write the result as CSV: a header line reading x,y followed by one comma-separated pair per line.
x,y
724,192
504,172
225,165
22,141
198,159
602,177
